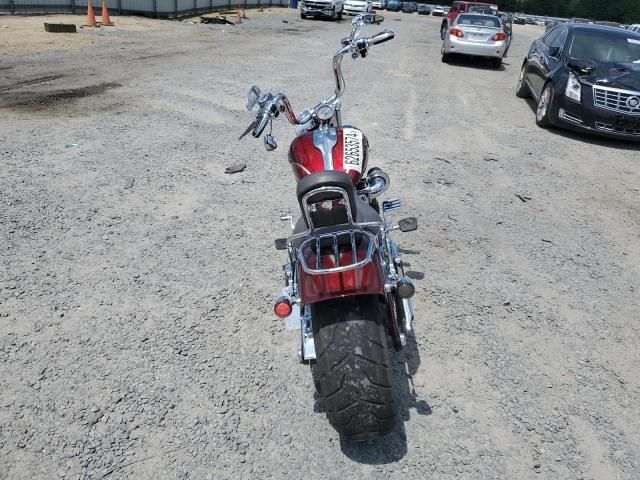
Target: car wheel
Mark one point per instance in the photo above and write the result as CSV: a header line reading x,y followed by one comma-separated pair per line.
x,y
340,15
522,89
545,107
445,56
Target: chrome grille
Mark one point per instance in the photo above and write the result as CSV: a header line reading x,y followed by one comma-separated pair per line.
x,y
359,243
616,100
607,127
570,116
316,5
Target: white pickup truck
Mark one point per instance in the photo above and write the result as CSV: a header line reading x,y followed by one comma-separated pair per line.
x,y
321,8
356,7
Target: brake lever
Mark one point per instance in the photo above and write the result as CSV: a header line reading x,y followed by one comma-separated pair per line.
x,y
251,127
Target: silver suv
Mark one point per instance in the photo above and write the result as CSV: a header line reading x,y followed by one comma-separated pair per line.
x,y
322,8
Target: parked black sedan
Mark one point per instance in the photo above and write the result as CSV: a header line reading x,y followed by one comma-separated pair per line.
x,y
585,77
424,9
409,7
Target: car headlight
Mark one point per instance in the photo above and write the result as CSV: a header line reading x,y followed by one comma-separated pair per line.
x,y
574,88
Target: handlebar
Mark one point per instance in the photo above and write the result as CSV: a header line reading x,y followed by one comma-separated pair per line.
x,y
262,123
381,37
271,105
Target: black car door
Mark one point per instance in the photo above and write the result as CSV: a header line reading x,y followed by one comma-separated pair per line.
x,y
554,52
538,63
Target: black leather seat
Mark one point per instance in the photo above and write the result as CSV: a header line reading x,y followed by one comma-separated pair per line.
x,y
364,213
328,178
361,211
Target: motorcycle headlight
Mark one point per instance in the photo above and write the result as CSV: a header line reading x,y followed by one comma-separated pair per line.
x,y
325,112
574,88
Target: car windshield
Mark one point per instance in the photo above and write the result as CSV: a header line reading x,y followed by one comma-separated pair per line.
x,y
605,48
485,9
479,21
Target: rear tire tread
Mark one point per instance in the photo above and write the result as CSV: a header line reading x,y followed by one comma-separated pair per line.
x,y
337,390
328,345
375,384
372,362
354,366
334,367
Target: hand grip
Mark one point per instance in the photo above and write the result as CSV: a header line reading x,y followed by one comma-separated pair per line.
x,y
383,36
262,124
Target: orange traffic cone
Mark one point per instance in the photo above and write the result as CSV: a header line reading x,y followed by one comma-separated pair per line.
x,y
106,21
238,17
91,18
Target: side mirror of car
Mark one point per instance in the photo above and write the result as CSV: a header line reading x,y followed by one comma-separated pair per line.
x,y
554,51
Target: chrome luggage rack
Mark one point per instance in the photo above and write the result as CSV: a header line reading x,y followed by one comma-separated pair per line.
x,y
352,235
313,246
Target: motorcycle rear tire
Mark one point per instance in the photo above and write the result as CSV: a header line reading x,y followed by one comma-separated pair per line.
x,y
352,371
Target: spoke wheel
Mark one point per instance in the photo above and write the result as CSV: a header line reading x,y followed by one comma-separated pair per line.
x,y
522,90
545,104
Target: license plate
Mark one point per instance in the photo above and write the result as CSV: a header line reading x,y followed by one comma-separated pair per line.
x,y
352,153
628,122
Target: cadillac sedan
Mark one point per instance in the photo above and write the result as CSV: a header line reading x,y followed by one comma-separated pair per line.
x,y
585,77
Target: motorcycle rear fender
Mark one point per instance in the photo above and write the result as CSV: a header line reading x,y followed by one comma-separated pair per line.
x,y
366,280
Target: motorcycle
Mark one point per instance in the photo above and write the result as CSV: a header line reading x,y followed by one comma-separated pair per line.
x,y
345,287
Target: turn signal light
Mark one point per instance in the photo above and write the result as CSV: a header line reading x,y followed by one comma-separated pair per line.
x,y
405,288
283,307
498,37
456,32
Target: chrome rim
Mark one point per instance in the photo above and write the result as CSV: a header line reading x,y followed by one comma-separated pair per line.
x,y
521,78
543,104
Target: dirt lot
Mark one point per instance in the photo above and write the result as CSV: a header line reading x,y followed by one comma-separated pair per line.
x,y
137,279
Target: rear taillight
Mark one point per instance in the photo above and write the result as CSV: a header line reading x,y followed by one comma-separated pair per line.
x,y
456,32
283,307
498,37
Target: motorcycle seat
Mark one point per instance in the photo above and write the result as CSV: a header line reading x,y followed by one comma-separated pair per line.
x,y
361,211
364,214
328,178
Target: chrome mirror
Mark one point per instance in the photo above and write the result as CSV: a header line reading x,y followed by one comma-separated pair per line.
x,y
252,98
373,19
270,143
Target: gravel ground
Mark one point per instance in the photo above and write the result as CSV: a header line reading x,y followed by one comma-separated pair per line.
x,y
137,279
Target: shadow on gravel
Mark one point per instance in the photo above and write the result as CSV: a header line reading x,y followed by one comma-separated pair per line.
x,y
414,275
344,19
408,252
474,62
39,100
393,447
587,137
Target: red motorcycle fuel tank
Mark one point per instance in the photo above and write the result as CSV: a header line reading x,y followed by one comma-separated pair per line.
x,y
344,149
